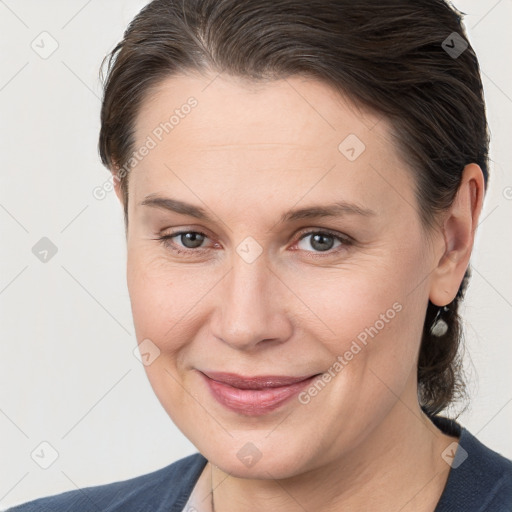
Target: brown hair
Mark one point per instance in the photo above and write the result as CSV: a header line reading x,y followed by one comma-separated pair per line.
x,y
398,58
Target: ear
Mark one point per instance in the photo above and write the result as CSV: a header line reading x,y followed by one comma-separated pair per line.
x,y
117,183
459,226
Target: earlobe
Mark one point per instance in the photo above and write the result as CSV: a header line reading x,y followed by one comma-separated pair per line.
x,y
458,233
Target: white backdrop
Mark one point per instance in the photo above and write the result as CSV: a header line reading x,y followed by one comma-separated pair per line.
x,y
68,374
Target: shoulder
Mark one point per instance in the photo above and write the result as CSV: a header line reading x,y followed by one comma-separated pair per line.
x,y
165,489
480,479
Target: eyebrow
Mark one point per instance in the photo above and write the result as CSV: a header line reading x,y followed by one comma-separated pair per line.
x,y
336,209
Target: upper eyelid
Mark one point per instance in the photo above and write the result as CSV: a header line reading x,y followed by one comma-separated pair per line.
x,y
324,231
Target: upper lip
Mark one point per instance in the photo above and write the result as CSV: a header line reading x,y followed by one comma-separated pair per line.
x,y
255,382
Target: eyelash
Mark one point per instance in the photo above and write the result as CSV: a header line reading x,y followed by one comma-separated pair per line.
x,y
344,239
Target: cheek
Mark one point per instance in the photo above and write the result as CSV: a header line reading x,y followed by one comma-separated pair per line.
x,y
371,325
351,302
369,317
164,296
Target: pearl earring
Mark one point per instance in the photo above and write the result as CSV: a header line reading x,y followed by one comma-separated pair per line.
x,y
439,326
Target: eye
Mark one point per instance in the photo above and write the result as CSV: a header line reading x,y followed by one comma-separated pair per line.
x,y
323,242
190,241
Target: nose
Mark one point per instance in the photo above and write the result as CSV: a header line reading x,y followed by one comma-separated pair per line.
x,y
252,306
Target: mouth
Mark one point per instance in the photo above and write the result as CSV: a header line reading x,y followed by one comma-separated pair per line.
x,y
256,395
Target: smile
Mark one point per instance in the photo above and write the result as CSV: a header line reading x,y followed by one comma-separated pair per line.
x,y
254,396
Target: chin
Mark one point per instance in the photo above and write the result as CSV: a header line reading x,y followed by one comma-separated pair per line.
x,y
260,459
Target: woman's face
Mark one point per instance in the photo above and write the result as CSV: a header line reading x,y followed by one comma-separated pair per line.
x,y
264,292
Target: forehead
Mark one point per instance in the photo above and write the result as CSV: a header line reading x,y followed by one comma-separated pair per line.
x,y
292,110
283,133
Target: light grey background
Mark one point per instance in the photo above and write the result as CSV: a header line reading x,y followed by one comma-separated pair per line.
x,y
68,373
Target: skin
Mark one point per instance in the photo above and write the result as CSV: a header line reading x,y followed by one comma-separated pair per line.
x,y
246,154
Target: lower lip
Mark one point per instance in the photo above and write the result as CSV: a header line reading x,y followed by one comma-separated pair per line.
x,y
254,402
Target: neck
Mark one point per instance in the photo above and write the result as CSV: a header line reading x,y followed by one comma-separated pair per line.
x,y
397,467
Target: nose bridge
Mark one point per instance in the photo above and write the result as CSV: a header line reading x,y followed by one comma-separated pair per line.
x,y
248,311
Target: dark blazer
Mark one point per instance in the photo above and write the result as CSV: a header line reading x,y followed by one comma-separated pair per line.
x,y
480,480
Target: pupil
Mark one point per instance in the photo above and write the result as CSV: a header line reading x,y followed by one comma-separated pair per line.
x,y
195,239
318,242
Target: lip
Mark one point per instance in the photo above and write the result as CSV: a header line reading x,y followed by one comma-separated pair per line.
x,y
256,395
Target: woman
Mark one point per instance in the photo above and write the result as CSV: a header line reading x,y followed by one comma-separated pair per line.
x,y
301,185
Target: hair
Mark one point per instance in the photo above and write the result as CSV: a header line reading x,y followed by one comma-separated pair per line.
x,y
389,57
